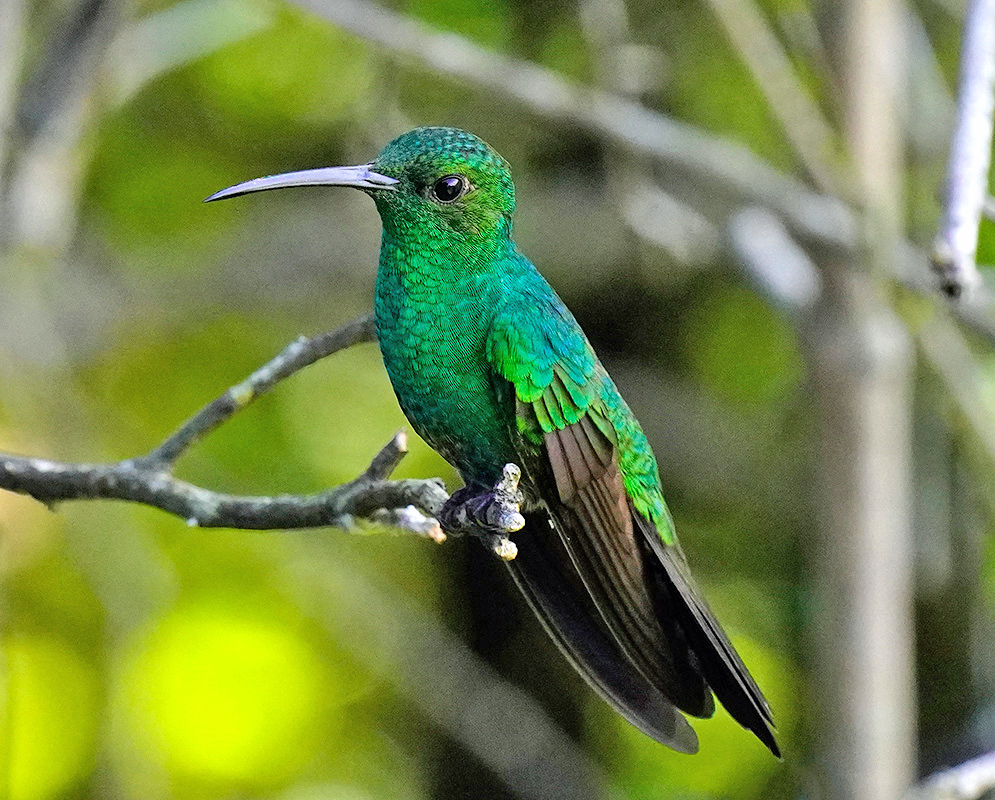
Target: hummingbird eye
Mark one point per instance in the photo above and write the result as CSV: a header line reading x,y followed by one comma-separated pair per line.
x,y
449,189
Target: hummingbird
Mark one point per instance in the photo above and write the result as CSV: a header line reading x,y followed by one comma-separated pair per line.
x,y
491,368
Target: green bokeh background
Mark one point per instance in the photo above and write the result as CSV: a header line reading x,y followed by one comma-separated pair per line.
x,y
145,659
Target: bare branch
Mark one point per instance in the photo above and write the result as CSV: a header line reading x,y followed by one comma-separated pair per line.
x,y
971,780
956,244
152,485
803,123
411,505
293,358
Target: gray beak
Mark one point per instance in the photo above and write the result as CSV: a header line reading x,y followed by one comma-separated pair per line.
x,y
359,177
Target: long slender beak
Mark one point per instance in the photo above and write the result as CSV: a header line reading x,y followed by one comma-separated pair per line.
x,y
359,177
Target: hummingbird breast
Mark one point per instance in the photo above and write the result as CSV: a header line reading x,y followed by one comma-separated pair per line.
x,y
433,327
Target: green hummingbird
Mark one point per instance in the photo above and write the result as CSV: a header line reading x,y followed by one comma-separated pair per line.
x,y
491,368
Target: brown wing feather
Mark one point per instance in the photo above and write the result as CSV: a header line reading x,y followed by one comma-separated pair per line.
x,y
542,571
723,668
595,524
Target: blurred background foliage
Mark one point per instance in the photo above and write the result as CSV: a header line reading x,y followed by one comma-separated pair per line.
x,y
144,659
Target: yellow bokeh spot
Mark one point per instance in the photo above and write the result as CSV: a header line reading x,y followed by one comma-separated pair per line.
x,y
48,712
223,696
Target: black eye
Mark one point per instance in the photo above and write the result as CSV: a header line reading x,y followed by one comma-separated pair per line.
x,y
449,189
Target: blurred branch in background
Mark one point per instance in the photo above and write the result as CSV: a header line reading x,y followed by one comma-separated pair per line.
x,y
723,175
12,30
945,349
804,125
499,723
861,364
972,780
156,44
955,248
40,197
727,169
42,160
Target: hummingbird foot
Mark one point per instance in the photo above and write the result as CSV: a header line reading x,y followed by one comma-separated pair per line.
x,y
489,515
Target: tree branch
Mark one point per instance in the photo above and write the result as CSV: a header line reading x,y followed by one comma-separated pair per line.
x,y
971,780
956,245
411,505
407,504
152,485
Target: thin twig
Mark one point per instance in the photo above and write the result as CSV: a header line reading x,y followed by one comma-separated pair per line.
x,y
956,244
975,312
293,358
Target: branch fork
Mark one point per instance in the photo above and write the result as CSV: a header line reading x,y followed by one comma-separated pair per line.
x,y
414,506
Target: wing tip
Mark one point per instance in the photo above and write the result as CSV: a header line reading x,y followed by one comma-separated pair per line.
x,y
765,733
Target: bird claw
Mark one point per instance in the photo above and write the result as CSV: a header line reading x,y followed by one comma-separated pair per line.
x,y
490,516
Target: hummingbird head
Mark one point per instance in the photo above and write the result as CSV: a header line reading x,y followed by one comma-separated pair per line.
x,y
427,182
448,181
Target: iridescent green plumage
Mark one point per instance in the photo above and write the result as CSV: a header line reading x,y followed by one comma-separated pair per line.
x,y
457,303
491,368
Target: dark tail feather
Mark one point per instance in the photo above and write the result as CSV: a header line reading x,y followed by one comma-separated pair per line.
x,y
568,615
719,662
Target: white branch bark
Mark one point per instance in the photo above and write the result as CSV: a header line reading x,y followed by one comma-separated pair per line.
x,y
956,244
